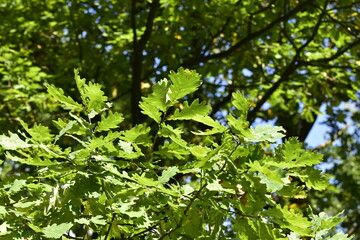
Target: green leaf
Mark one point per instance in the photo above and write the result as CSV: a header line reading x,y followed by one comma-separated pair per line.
x,y
315,179
265,231
216,186
68,126
246,229
337,236
287,218
138,134
239,126
242,105
102,144
199,151
68,102
294,236
265,133
156,101
324,221
13,142
4,228
91,94
38,132
171,150
142,180
94,219
207,120
157,97
126,146
76,128
202,161
167,174
110,122
3,211
183,82
57,230
35,160
292,154
98,220
27,204
150,110
16,185
173,134
193,225
189,112
274,178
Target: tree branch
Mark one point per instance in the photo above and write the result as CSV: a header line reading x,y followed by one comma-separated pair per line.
x,y
340,52
137,61
330,141
290,69
248,38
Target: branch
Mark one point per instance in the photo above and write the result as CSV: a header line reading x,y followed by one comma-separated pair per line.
x,y
248,38
179,224
330,141
149,24
146,230
249,27
76,31
340,52
137,61
346,28
290,69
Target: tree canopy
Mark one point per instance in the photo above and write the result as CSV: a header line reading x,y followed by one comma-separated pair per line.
x,y
146,148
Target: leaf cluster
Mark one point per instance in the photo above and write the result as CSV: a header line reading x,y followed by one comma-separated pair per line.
x,y
96,179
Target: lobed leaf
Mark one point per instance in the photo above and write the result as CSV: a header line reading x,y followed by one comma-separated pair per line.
x,y
188,112
287,218
110,122
156,102
184,82
13,142
68,102
265,133
292,154
91,94
167,174
241,104
56,230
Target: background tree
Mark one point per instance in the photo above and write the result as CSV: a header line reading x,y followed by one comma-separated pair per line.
x,y
289,58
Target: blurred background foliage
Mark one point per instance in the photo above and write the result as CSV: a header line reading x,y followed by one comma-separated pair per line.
x,y
294,60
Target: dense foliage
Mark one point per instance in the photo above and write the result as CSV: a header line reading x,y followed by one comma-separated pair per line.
x,y
290,59
127,184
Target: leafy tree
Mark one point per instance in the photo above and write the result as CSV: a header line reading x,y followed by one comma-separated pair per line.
x,y
288,58
122,183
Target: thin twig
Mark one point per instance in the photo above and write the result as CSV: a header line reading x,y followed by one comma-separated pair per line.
x,y
330,141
